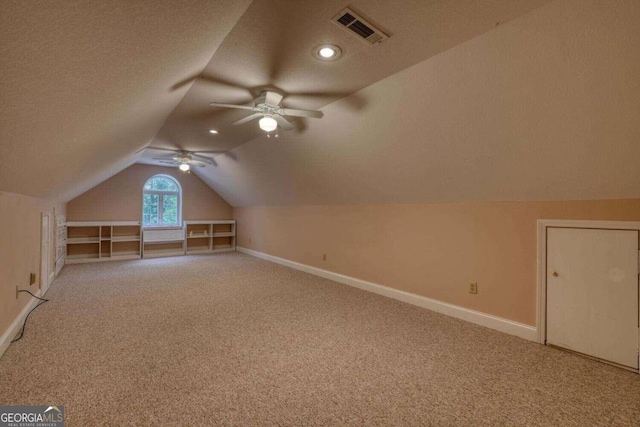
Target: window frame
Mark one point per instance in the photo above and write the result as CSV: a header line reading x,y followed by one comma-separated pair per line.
x,y
161,193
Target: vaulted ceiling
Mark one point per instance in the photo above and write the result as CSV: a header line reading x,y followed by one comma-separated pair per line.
x,y
85,84
491,100
545,107
271,47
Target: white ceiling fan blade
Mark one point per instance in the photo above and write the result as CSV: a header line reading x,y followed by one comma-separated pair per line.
x,y
165,158
198,163
282,122
166,162
301,113
241,107
272,99
248,119
205,159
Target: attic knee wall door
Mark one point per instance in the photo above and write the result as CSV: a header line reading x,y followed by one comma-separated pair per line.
x,y
592,292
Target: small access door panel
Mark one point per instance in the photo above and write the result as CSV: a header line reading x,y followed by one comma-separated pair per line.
x,y
592,292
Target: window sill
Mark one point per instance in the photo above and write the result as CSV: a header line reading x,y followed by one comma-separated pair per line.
x,y
162,227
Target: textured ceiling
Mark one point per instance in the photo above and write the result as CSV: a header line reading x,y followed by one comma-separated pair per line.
x,y
85,84
544,107
271,47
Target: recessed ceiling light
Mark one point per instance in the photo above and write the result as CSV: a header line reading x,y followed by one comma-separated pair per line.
x,y
213,131
327,52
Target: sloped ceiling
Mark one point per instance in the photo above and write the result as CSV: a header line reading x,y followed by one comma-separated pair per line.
x,y
271,47
85,84
544,107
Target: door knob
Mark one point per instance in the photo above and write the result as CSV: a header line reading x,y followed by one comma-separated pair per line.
x,y
555,274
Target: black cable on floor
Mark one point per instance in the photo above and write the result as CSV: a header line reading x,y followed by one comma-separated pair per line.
x,y
24,325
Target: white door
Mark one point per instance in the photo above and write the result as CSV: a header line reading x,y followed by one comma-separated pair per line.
x,y
592,292
44,254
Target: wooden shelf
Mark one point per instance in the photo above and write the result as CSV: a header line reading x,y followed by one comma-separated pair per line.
x,y
118,240
122,257
199,236
162,253
82,257
125,247
198,250
60,243
117,254
163,242
211,221
126,231
102,241
219,235
80,240
125,239
102,223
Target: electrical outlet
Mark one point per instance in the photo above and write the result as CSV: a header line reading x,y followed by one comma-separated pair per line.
x,y
32,279
473,287
324,257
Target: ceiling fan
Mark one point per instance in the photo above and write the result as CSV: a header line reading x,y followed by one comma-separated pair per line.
x,y
184,159
272,114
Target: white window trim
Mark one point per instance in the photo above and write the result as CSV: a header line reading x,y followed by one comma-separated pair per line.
x,y
160,206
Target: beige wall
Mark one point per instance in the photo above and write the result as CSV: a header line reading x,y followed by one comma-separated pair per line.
x,y
433,250
20,223
120,197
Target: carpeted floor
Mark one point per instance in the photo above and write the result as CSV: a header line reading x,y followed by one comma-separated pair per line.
x,y
233,340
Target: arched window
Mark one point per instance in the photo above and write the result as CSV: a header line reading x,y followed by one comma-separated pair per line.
x,y
161,202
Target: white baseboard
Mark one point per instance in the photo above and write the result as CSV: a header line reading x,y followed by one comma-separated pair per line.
x,y
497,323
52,276
15,326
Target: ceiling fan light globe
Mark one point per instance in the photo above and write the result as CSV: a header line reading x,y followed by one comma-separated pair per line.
x,y
268,124
184,167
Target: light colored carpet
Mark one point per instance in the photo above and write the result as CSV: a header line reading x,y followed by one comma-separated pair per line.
x,y
233,340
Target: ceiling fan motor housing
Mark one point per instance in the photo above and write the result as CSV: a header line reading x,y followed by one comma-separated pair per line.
x,y
260,101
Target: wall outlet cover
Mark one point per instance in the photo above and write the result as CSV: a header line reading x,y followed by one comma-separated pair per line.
x,y
473,287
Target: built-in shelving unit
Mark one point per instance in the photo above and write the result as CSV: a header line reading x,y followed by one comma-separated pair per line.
x,y
161,242
103,241
210,236
117,240
61,242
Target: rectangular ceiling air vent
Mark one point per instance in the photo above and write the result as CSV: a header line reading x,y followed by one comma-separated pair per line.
x,y
359,26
